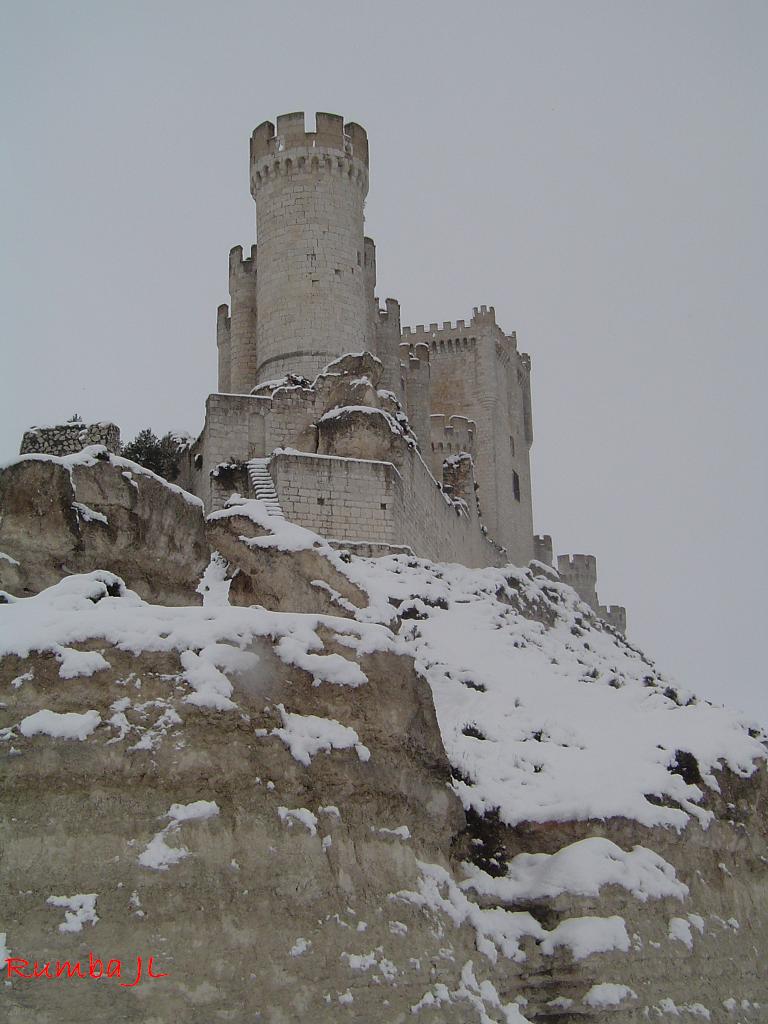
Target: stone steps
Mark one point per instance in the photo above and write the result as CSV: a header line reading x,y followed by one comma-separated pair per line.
x,y
263,487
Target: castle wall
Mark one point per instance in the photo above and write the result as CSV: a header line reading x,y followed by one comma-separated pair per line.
x,y
376,502
344,499
614,615
477,372
309,189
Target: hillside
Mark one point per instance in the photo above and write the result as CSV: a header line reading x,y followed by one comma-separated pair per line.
x,y
317,786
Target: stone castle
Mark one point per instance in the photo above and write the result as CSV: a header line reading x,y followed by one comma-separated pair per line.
x,y
378,436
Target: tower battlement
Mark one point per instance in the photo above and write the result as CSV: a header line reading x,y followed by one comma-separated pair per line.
x,y
584,565
240,265
452,434
331,133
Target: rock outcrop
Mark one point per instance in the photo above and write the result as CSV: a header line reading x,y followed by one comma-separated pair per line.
x,y
314,786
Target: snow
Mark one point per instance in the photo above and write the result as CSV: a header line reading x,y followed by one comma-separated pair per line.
x,y
281,534
199,810
479,995
80,663
211,687
680,930
342,411
608,994
67,726
401,832
88,515
587,935
307,735
157,854
300,814
301,945
214,585
581,868
79,910
7,558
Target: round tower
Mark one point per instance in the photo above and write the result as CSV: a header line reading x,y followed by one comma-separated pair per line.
x,y
309,189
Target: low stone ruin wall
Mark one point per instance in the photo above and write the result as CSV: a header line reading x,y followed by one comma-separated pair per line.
x,y
67,438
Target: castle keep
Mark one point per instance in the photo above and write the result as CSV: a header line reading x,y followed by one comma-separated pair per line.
x,y
378,436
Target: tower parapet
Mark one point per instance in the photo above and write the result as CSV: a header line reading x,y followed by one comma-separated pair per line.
x,y
330,134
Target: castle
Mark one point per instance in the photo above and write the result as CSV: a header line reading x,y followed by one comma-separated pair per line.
x,y
377,436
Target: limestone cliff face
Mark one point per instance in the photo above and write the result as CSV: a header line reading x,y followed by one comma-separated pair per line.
x,y
317,787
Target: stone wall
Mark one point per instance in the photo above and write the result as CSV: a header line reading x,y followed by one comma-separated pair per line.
x,y
344,499
373,502
67,438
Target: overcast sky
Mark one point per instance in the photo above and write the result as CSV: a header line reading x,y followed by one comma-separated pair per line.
x,y
595,170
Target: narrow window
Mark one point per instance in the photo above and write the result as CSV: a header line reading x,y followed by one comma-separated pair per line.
x,y
516,485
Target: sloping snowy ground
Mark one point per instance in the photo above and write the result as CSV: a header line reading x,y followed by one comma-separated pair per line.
x,y
556,717
546,714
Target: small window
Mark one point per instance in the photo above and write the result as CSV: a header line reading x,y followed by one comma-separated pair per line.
x,y
511,445
321,501
516,485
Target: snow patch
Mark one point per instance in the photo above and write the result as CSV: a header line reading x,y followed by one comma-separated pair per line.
x,y
307,735
608,994
67,726
79,910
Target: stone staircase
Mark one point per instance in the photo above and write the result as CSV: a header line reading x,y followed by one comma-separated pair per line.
x,y
263,487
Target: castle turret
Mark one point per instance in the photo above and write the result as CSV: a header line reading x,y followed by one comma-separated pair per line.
x,y
414,361
309,189
243,325
223,344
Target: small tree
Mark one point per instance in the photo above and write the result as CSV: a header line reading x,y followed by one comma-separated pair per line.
x,y
160,454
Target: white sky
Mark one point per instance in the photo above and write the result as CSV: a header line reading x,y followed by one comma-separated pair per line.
x,y
595,170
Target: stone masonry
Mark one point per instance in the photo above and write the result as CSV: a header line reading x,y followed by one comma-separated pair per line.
x,y
67,438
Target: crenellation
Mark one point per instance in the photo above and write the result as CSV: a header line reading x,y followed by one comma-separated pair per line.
x,y
543,549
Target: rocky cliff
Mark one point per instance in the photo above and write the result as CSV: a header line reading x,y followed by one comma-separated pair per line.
x,y
318,787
